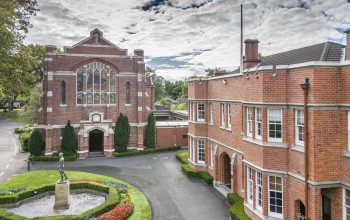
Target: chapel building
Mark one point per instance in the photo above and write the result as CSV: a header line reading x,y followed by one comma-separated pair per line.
x,y
90,84
278,133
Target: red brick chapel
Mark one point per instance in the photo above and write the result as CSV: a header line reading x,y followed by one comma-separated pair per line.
x,y
90,84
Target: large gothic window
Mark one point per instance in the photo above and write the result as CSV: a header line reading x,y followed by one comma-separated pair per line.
x,y
96,84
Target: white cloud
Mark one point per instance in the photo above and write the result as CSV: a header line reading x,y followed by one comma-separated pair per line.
x,y
207,36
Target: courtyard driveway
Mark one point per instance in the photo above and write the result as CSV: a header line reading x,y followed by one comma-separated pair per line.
x,y
171,194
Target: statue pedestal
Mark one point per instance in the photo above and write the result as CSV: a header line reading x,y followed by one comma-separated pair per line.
x,y
62,195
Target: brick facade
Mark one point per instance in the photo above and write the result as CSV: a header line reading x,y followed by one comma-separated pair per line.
x,y
262,90
117,86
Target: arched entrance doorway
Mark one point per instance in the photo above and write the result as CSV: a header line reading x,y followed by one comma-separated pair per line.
x,y
226,170
299,209
96,141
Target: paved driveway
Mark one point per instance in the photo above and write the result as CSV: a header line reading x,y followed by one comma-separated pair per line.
x,y
172,195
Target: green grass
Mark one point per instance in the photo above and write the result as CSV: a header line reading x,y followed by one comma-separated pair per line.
x,y
36,179
182,156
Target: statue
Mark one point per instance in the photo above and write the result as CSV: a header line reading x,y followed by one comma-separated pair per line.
x,y
61,168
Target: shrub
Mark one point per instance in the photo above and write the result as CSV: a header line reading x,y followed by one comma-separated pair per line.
x,y
69,142
121,133
120,212
24,139
197,174
53,158
36,144
150,132
145,151
237,208
182,156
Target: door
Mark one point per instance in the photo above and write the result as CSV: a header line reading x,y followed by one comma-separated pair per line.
x,y
96,141
326,208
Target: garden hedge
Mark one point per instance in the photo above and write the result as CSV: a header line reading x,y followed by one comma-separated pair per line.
x,y
205,176
112,201
182,156
237,208
53,158
145,151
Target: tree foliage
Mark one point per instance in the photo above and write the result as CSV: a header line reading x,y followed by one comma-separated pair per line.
x,y
36,143
211,71
30,111
121,133
69,142
158,83
150,132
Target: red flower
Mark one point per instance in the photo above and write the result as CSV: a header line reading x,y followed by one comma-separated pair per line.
x,y
120,212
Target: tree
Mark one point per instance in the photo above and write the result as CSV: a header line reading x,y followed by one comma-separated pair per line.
x,y
69,142
173,89
150,132
211,72
163,102
30,111
121,133
158,82
36,143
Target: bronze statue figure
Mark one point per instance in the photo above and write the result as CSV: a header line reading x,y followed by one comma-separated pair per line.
x,y
61,168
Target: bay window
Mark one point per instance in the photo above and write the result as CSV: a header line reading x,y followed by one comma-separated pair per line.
x,y
275,197
201,152
258,190
258,123
229,115
200,111
275,125
299,127
222,115
249,122
249,185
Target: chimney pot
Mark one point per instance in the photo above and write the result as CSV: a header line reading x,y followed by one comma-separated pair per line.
x,y
251,57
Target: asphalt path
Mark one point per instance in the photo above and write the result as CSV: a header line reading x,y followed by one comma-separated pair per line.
x,y
12,160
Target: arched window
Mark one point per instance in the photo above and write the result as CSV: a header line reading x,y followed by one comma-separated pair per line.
x,y
63,90
96,84
127,93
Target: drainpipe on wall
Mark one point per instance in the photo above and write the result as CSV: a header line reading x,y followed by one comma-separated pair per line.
x,y
305,86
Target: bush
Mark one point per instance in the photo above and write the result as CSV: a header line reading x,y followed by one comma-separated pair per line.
x,y
205,176
36,144
182,156
150,132
145,151
237,208
121,133
24,139
69,140
53,158
120,212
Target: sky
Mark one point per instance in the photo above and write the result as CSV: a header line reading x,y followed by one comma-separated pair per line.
x,y
184,37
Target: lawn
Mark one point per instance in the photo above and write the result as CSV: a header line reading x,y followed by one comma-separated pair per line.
x,y
35,179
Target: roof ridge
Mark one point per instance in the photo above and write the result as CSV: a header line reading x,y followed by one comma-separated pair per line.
x,y
296,49
325,51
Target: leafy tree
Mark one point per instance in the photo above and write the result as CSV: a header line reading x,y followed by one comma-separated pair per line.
x,y
163,102
30,111
173,89
211,71
150,132
36,143
69,142
182,106
121,133
158,82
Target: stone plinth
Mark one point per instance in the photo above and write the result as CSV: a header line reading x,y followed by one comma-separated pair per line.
x,y
62,195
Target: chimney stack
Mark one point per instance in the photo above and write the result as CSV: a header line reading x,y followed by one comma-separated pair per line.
x,y
251,53
347,50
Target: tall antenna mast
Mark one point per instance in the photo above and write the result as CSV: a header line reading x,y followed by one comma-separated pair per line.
x,y
241,61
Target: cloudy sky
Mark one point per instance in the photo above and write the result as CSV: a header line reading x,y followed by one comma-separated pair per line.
x,y
183,37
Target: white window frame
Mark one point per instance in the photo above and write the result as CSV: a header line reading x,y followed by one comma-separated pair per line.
x,y
200,110
201,150
222,114
258,190
270,213
211,154
270,139
229,116
348,130
297,126
191,149
190,111
211,112
344,203
250,196
249,122
258,121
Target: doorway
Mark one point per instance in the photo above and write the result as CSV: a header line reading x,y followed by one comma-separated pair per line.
x,y
96,141
226,170
326,208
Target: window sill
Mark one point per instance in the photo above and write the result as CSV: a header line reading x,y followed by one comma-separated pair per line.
x,y
298,148
223,127
228,129
347,154
127,104
211,123
63,105
197,164
255,211
265,144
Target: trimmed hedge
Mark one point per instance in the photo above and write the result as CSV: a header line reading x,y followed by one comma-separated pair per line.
x,y
112,201
182,156
205,176
237,208
145,151
53,158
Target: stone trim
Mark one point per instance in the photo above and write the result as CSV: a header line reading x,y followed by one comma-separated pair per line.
x,y
265,144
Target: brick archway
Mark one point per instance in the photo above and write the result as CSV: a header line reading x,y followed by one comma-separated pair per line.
x,y
299,209
225,169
